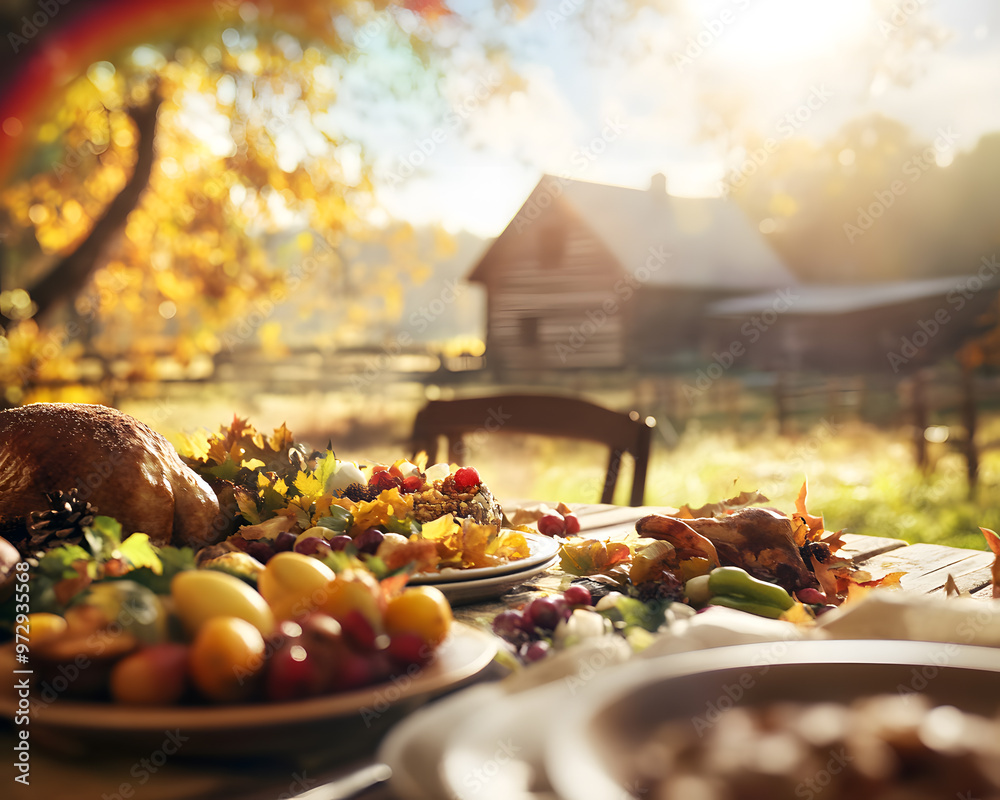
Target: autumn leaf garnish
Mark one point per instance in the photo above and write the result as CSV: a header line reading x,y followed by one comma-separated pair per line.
x,y
813,523
581,557
721,509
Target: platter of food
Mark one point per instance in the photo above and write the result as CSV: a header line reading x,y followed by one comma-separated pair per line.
x,y
261,728
238,587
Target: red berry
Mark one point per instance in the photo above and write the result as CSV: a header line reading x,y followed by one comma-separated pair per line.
x,y
577,595
466,478
384,480
412,483
572,524
552,525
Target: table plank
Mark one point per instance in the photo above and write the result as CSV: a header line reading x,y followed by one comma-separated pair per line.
x,y
928,566
612,516
861,548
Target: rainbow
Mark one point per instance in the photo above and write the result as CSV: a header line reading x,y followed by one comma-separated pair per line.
x,y
43,66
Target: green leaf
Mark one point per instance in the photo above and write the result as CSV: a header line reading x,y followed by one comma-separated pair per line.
x,y
104,537
406,527
273,500
172,560
175,559
57,563
339,520
138,552
326,468
226,470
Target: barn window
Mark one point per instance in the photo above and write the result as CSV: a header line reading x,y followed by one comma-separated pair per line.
x,y
529,331
551,244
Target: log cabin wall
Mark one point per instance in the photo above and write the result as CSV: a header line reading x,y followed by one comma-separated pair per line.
x,y
557,297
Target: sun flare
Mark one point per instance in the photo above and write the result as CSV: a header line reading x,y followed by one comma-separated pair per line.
x,y
783,31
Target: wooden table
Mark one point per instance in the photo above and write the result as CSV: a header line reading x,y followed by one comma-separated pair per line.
x,y
927,567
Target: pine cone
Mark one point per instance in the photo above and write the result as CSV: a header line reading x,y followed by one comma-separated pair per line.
x,y
62,523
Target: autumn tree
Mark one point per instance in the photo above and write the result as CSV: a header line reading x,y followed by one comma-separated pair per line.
x,y
189,181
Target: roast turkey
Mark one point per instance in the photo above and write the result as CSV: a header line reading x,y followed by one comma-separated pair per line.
x,y
118,464
757,539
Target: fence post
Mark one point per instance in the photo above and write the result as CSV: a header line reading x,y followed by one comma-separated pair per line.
x,y
918,407
969,421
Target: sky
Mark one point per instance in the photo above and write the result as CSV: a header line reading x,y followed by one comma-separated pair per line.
x,y
621,111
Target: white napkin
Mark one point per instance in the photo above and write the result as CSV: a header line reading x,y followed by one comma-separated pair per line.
x,y
887,614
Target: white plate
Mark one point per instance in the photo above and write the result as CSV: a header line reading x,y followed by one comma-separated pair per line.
x,y
327,723
540,550
415,747
460,592
590,739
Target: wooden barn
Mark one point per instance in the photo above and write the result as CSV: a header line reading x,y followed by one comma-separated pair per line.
x,y
589,275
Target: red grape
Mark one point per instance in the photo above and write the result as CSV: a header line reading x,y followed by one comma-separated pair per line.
x,y
508,624
313,546
577,595
368,540
406,648
544,613
466,478
340,542
284,541
260,550
552,525
359,631
292,674
810,596
572,524
353,671
536,651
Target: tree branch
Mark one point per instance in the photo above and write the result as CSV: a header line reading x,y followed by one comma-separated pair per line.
x,y
68,277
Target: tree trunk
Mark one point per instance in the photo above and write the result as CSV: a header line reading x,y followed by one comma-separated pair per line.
x,y
69,276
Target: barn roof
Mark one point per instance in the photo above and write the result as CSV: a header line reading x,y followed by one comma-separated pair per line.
x,y
814,299
711,243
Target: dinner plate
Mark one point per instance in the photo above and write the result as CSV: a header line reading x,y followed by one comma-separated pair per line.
x,y
460,592
591,739
351,721
540,550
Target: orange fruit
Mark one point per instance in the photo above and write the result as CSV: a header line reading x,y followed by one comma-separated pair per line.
x,y
226,658
422,610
